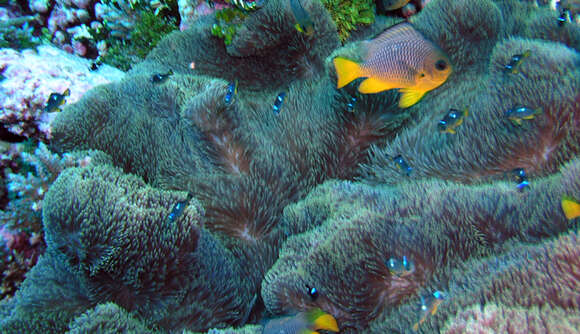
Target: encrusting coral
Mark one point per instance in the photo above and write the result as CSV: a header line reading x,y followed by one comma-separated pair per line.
x,y
246,169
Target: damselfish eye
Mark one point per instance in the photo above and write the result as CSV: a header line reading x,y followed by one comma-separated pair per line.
x,y
441,65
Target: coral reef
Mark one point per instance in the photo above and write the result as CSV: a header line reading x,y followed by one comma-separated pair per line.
x,y
30,78
27,191
502,319
273,201
22,229
19,254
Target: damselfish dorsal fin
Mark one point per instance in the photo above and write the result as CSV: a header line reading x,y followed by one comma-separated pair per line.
x,y
403,31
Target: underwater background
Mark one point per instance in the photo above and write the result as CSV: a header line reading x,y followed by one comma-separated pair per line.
x,y
289,166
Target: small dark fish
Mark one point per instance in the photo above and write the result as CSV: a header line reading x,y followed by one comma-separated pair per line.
x,y
402,165
178,209
452,120
95,66
312,292
2,78
429,306
564,17
400,267
232,91
55,100
351,104
303,22
516,61
161,78
278,103
521,178
517,114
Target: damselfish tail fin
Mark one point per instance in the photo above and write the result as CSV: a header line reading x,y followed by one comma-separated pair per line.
x,y
571,207
346,70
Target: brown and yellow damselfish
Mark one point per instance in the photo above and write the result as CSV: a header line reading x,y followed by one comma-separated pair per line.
x,y
400,58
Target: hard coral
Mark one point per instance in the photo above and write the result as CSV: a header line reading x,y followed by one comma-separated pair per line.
x,y
27,189
30,79
493,318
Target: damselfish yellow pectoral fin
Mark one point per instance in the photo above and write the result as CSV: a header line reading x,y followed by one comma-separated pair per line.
x,y
346,71
372,85
571,207
298,27
451,131
326,322
529,117
307,331
410,97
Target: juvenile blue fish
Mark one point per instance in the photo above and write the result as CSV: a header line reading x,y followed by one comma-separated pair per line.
x,y
232,91
178,209
564,17
517,114
312,292
400,267
516,61
278,103
55,100
303,22
452,120
160,78
402,165
520,178
350,106
429,306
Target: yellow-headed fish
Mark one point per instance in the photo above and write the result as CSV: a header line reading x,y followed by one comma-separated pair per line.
x,y
302,323
571,207
398,58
